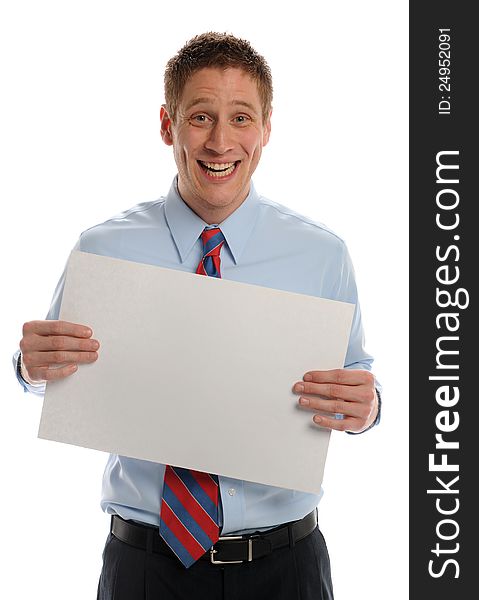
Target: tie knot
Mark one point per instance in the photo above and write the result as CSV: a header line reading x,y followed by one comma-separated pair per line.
x,y
212,240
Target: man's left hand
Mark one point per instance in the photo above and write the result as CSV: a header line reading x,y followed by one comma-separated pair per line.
x,y
347,392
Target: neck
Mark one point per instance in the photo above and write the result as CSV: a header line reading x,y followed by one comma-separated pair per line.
x,y
212,215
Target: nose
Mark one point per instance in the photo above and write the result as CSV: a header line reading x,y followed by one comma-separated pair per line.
x,y
219,140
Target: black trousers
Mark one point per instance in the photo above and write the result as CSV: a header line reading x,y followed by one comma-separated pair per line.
x,y
300,572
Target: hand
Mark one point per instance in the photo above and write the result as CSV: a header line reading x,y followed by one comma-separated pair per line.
x,y
54,349
348,392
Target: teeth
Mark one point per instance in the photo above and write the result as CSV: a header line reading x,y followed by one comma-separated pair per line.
x,y
218,166
219,169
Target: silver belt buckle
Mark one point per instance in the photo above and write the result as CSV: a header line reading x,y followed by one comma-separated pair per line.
x,y
230,562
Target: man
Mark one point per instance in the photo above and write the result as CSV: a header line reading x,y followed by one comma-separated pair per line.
x,y
217,118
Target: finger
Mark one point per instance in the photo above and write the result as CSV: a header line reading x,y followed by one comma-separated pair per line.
x,y
57,328
331,390
349,409
43,343
59,357
340,376
51,374
347,424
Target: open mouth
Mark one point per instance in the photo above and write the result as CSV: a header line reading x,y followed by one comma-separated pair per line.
x,y
218,170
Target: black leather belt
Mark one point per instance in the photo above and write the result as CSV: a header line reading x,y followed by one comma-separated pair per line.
x,y
228,549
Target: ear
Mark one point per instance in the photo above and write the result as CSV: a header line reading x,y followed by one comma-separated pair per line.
x,y
267,129
165,126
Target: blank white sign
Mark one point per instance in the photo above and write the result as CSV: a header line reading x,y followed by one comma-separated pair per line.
x,y
160,391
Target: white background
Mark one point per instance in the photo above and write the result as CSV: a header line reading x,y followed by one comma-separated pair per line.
x,y
79,122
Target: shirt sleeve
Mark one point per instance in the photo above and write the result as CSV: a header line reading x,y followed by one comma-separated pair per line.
x,y
53,314
356,355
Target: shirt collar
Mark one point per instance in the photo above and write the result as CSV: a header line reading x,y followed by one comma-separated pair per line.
x,y
186,226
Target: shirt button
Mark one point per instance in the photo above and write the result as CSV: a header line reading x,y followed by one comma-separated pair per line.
x,y
231,491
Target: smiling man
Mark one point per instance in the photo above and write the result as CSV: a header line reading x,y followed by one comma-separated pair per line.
x,y
217,131
177,533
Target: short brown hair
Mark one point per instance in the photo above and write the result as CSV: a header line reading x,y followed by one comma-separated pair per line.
x,y
220,50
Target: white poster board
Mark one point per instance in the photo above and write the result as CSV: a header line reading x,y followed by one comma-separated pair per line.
x,y
177,385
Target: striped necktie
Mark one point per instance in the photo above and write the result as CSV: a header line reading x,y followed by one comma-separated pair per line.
x,y
213,241
189,506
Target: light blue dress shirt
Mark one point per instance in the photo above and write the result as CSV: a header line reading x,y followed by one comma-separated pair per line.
x,y
267,244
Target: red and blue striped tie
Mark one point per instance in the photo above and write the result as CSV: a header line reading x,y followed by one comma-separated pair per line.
x,y
189,506
213,241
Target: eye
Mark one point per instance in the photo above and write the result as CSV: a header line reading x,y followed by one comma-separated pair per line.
x,y
241,119
200,120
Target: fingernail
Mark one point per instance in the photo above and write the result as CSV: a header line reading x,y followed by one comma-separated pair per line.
x,y
95,345
308,377
304,401
299,387
317,419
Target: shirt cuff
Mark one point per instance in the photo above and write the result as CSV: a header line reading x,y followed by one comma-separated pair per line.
x,y
376,420
35,387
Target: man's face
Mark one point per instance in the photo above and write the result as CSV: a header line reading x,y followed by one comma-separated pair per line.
x,y
217,139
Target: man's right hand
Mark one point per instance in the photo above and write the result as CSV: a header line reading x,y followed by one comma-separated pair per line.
x,y
54,349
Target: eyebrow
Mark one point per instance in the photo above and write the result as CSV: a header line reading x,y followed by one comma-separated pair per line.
x,y
205,100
